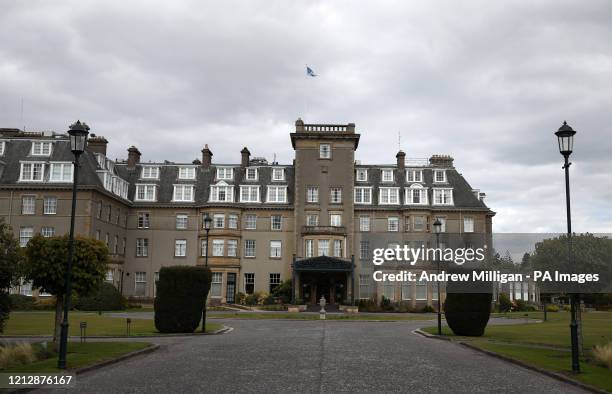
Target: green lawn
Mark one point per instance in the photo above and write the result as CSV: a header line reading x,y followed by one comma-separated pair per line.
x,y
41,323
547,344
315,316
81,355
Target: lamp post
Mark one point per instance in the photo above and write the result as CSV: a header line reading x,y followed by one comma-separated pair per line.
x,y
437,225
207,223
78,141
565,137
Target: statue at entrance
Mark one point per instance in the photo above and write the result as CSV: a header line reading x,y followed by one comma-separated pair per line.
x,y
322,311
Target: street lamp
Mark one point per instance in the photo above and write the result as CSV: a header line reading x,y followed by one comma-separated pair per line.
x,y
437,225
565,137
207,223
78,141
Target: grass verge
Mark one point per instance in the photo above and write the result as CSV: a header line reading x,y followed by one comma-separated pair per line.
x,y
41,323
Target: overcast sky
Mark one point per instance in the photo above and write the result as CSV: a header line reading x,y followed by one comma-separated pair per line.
x,y
486,82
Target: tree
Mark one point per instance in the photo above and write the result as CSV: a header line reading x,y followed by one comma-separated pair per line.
x,y
11,258
45,267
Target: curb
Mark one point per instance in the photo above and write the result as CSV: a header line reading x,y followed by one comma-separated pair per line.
x,y
551,374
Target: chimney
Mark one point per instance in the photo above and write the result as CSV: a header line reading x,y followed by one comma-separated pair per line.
x,y
245,156
401,160
482,196
350,128
206,157
97,144
299,125
133,156
444,161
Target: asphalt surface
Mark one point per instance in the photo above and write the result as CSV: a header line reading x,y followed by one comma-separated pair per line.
x,y
267,356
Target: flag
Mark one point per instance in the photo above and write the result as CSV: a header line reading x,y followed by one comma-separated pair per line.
x,y
309,72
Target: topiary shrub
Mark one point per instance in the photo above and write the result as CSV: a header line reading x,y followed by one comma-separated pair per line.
x,y
505,305
105,298
468,305
181,292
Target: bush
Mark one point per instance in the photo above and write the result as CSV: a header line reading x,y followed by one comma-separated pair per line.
x,y
368,305
251,299
504,303
428,309
275,307
283,291
181,293
20,302
5,309
105,298
269,300
552,308
21,353
603,354
567,308
240,298
385,304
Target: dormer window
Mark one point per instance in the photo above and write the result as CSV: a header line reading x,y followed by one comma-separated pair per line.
x,y
150,172
251,174
416,195
2,147
61,172
362,175
100,159
221,192
278,174
186,173
41,148
32,172
414,175
443,196
325,151
145,192
439,176
387,175
225,173
183,193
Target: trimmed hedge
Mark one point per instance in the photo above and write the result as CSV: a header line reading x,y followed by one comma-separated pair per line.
x,y
105,298
467,307
181,293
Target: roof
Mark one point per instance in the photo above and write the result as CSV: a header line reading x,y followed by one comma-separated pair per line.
x,y
323,263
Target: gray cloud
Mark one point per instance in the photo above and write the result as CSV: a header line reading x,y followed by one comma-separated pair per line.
x,y
486,82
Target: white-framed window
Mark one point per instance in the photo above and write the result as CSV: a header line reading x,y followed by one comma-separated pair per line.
x,y
393,223
468,225
203,247
186,173
309,248
443,222
109,276
406,291
249,193
232,247
386,175
278,174
335,220
2,147
249,283
218,220
150,172
416,195
364,223
413,175
275,280
325,151
276,222
249,248
312,220
221,192
361,175
250,222
364,250
335,195
47,231
25,235
142,247
183,193
276,249
251,174
182,221
218,246
32,172
140,284
145,192
216,284
225,173
41,148
439,176
389,290
323,245
232,221
388,195
364,286
421,291
25,288
312,194
418,223
363,195
277,194
443,196
28,205
143,219
60,172
337,248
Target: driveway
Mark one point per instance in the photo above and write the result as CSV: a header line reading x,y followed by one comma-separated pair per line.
x,y
316,357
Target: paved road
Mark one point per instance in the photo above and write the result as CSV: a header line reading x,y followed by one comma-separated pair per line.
x,y
318,357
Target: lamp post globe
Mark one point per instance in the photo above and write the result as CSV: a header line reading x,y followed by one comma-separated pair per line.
x,y
78,137
565,138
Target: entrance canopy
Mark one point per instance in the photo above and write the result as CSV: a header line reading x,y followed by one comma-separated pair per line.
x,y
323,264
